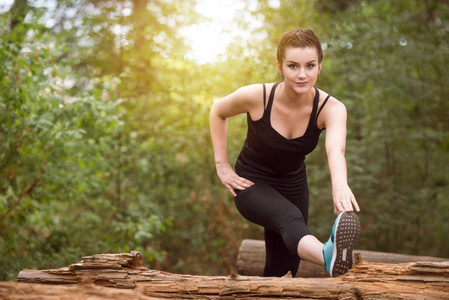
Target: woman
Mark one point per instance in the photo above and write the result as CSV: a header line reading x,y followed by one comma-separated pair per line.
x,y
269,183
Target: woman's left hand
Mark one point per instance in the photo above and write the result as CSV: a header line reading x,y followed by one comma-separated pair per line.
x,y
344,199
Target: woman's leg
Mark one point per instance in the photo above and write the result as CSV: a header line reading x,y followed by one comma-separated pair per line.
x,y
263,205
284,225
278,259
311,249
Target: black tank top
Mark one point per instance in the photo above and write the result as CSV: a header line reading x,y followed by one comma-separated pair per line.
x,y
268,155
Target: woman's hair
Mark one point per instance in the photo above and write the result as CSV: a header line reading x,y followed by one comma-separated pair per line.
x,y
299,38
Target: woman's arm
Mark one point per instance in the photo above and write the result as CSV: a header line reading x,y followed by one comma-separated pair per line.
x,y
335,122
236,103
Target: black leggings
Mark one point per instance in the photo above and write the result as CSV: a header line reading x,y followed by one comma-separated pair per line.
x,y
282,210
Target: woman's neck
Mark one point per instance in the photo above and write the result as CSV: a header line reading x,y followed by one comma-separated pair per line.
x,y
291,98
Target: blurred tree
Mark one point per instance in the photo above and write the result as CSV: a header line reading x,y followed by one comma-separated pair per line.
x,y
62,145
45,146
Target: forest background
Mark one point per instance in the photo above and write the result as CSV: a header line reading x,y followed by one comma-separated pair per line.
x,y
104,132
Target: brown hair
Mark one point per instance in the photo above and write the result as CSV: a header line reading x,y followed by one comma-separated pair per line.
x,y
299,38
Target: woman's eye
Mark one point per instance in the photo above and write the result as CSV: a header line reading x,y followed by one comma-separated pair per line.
x,y
311,66
292,66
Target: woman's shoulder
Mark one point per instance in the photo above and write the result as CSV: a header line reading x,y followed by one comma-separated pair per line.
x,y
253,94
332,102
254,91
333,109
246,99
251,98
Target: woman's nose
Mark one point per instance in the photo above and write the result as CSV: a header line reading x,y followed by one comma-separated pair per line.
x,y
301,73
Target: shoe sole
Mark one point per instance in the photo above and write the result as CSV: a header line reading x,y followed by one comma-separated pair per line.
x,y
347,233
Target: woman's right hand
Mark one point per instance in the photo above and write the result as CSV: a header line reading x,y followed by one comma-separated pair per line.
x,y
231,180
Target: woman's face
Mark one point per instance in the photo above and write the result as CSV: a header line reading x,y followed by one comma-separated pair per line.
x,y
300,68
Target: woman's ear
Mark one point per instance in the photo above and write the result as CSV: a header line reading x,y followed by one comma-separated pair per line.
x,y
320,67
279,67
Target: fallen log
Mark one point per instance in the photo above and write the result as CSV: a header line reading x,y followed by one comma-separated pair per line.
x,y
429,280
251,260
34,291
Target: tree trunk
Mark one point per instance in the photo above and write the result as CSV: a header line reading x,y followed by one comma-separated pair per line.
x,y
251,260
429,280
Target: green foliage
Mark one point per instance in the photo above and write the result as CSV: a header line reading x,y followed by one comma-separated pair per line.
x,y
62,162
104,134
395,94
385,60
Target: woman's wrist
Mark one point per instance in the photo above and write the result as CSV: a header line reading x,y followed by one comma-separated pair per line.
x,y
221,163
339,183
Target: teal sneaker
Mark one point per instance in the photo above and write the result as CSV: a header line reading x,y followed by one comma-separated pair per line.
x,y
337,251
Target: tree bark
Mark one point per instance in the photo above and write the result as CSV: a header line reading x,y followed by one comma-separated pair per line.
x,y
34,291
251,260
429,280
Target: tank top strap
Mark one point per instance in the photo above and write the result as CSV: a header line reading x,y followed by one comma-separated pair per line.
x,y
267,111
316,100
318,113
264,96
322,105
